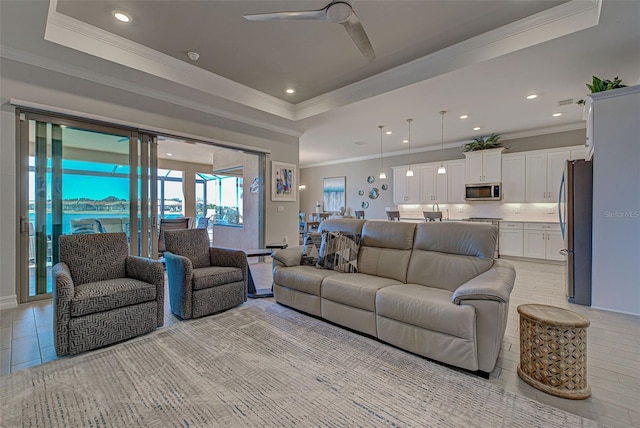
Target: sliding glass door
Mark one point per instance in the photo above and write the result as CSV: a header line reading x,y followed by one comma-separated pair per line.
x,y
79,178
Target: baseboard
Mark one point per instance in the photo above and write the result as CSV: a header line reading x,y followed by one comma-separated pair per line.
x,y
8,302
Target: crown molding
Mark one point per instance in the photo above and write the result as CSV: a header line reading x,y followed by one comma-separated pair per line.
x,y
453,144
95,76
558,21
78,35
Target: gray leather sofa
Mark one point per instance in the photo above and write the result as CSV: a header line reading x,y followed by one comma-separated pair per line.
x,y
433,289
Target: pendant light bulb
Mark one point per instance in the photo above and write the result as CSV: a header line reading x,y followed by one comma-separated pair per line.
x,y
442,169
382,176
409,171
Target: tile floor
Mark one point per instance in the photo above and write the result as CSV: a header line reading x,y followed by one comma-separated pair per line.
x,y
613,347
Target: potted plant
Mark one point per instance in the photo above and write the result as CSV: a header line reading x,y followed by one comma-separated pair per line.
x,y
484,143
600,85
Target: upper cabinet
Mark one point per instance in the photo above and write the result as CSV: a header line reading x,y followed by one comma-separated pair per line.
x,y
406,190
513,177
484,166
455,181
433,186
543,172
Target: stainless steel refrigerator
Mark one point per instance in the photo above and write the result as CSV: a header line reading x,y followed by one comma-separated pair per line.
x,y
576,205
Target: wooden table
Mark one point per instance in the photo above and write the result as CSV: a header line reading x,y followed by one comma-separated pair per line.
x,y
553,350
260,252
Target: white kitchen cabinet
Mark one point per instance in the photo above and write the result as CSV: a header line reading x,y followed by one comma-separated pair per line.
x,y
455,181
543,241
406,190
511,239
483,166
543,172
554,244
433,186
513,178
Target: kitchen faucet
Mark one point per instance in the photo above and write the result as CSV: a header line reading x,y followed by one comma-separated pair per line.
x,y
435,204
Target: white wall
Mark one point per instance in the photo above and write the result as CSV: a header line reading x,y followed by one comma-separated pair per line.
x,y
616,202
25,82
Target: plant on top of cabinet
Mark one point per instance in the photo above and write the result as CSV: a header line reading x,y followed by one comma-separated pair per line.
x,y
601,85
484,143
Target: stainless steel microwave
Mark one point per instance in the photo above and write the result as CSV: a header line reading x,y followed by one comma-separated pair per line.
x,y
483,192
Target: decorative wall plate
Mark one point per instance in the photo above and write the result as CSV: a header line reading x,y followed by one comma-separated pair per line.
x,y
374,193
385,186
365,205
360,192
370,179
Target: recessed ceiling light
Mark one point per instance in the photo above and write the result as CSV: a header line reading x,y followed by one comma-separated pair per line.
x,y
532,96
122,16
169,154
405,141
477,128
556,114
388,132
464,116
290,91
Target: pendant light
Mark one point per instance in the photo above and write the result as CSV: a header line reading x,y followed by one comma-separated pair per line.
x,y
382,174
409,171
442,169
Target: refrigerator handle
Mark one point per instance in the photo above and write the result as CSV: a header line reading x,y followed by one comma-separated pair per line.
x,y
560,207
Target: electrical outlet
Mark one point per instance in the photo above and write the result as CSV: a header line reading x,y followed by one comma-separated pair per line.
x,y
459,209
550,210
285,239
517,210
280,208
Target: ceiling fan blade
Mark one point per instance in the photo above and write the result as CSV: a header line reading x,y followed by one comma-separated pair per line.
x,y
356,32
303,15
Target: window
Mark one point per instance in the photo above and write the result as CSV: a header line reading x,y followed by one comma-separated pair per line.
x,y
170,195
219,196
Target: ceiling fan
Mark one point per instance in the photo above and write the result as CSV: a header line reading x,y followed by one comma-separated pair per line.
x,y
337,12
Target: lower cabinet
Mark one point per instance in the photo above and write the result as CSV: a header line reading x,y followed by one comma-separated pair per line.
x,y
511,239
543,241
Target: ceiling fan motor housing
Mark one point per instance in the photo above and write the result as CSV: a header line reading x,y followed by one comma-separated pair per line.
x,y
339,12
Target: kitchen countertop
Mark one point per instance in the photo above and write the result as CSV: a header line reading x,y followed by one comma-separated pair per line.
x,y
529,221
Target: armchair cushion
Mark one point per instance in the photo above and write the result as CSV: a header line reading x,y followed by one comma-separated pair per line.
x,y
95,257
190,243
110,294
215,275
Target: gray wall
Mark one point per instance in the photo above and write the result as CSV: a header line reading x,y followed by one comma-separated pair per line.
x,y
34,84
357,172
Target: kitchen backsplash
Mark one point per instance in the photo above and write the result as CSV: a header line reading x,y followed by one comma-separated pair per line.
x,y
507,211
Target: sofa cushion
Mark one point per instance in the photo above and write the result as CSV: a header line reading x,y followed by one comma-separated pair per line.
x,y
428,308
357,290
213,276
385,249
301,278
339,251
311,249
447,255
106,295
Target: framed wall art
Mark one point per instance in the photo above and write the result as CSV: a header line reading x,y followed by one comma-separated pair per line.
x,y
283,181
333,194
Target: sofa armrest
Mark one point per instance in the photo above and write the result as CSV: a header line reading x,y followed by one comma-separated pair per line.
x,y
287,257
149,271
63,293
179,276
495,284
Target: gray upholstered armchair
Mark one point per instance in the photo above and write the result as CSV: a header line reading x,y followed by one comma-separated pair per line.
x,y
102,295
202,279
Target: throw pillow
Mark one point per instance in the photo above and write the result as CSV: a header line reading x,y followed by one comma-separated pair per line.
x,y
311,249
339,252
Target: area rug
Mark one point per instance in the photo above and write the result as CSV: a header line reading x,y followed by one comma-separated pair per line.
x,y
264,365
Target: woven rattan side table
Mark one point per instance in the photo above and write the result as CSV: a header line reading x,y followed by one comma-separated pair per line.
x,y
553,350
